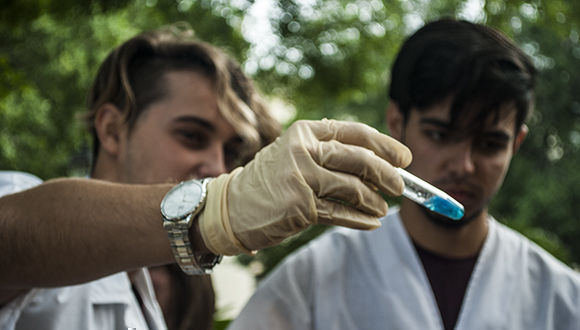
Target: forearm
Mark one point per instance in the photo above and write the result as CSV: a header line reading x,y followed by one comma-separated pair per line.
x,y
70,231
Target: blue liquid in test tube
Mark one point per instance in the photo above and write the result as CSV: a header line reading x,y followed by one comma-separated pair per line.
x,y
430,197
444,207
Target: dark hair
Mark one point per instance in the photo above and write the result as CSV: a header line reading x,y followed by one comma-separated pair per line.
x,y
131,78
192,301
479,67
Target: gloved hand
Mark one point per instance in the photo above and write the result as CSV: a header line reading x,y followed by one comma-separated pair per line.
x,y
316,172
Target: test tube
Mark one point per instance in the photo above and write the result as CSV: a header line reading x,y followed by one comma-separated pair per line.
x,y
430,197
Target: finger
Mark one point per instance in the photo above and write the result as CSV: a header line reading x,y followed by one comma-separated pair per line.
x,y
360,162
333,213
346,188
365,136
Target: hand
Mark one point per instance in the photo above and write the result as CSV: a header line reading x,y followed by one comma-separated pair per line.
x,y
316,172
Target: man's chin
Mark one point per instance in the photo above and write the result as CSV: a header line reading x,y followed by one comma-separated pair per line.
x,y
450,223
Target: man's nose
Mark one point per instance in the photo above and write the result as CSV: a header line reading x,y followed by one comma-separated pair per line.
x,y
461,161
214,163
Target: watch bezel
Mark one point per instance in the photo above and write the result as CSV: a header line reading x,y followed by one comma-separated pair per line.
x,y
195,207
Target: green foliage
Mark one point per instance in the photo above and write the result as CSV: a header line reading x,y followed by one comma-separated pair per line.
x,y
348,47
541,192
49,57
328,59
220,324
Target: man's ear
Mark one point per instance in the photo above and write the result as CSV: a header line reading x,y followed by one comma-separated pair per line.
x,y
109,126
520,137
395,121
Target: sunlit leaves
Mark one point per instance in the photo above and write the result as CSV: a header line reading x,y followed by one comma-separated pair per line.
x,y
48,61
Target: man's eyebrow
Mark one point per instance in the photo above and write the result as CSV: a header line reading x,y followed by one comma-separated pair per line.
x,y
435,122
206,125
497,135
196,120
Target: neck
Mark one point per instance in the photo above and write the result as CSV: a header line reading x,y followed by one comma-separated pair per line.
x,y
461,242
105,170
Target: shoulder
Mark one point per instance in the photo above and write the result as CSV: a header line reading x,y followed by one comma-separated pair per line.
x,y
535,255
341,241
108,300
325,269
550,275
13,181
349,238
342,248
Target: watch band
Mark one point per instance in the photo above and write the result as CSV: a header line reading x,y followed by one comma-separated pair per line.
x,y
178,233
190,262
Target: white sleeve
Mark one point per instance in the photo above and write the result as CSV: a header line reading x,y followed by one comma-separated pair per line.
x,y
282,301
12,182
10,313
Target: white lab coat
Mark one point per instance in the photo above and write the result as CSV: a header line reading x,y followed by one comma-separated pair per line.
x,y
351,279
107,303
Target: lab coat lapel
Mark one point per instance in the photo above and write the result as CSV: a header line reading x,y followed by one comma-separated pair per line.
x,y
409,282
491,289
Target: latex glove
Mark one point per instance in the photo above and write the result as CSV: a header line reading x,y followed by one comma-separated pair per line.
x,y
316,172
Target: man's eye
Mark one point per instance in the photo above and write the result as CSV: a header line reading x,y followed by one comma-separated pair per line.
x,y
235,154
436,135
195,140
232,158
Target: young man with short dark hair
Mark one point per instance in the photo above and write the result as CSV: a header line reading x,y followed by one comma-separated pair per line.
x,y
460,93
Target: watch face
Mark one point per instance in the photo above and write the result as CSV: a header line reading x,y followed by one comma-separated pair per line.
x,y
182,200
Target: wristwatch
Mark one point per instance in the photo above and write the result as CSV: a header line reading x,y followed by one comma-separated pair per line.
x,y
180,208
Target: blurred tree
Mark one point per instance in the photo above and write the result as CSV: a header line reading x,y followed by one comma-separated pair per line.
x,y
324,58
49,56
333,57
541,192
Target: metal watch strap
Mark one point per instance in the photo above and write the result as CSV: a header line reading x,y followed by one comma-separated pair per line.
x,y
178,233
190,262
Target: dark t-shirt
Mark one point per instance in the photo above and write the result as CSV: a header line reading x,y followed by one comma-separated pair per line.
x,y
449,278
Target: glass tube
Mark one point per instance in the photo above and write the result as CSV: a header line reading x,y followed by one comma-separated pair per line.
x,y
430,197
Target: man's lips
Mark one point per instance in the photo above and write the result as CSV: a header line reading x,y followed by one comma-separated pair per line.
x,y
462,195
